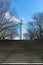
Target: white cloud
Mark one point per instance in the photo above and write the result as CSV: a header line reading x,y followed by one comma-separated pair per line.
x,y
16,38
7,15
32,20
12,18
22,18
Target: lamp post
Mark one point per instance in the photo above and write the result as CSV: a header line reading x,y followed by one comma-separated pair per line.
x,y
21,30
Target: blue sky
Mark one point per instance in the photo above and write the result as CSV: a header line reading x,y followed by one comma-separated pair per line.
x,y
26,8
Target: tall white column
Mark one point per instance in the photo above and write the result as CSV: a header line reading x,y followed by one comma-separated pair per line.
x,y
21,30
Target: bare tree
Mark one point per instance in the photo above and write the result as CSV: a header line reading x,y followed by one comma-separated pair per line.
x,y
7,29
35,27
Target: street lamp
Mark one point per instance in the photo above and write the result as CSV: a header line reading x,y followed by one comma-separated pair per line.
x,y
21,30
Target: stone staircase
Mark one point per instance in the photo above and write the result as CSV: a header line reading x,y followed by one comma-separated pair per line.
x,y
20,58
21,52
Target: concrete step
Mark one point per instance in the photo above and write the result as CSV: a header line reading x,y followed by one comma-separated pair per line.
x,y
20,58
